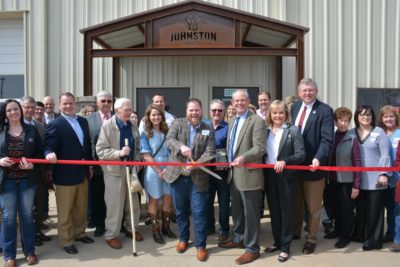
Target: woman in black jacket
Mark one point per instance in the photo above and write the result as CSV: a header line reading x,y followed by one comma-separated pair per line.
x,y
17,187
284,145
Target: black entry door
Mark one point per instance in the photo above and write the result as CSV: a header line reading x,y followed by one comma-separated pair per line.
x,y
175,99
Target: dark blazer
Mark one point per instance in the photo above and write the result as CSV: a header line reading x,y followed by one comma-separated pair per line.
x,y
33,148
62,140
291,150
203,150
318,136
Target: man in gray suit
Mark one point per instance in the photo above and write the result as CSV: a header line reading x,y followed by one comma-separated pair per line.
x,y
28,105
190,139
96,185
246,138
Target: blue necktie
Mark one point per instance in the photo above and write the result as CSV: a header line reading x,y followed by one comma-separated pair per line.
x,y
232,140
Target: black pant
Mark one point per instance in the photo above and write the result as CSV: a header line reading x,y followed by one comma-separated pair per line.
x,y
98,203
370,218
281,193
344,215
41,202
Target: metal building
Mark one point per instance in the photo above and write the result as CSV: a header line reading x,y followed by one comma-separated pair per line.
x,y
352,48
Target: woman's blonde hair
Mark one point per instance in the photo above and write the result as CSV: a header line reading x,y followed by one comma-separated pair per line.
x,y
388,109
274,104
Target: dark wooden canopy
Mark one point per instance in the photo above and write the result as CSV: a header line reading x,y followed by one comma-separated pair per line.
x,y
192,28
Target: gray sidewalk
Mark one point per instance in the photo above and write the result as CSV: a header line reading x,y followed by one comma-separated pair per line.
x,y
151,254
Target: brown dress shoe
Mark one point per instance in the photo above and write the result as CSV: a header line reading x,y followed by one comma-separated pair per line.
x,y
32,259
10,263
181,247
247,258
202,254
114,243
309,248
138,235
230,244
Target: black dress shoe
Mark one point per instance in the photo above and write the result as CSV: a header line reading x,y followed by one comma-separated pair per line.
x,y
99,231
71,249
331,235
85,239
271,249
38,242
91,224
42,237
309,248
342,243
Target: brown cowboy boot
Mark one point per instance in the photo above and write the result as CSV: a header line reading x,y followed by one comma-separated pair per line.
x,y
155,228
166,216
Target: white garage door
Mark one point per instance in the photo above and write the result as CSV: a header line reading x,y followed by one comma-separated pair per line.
x,y
12,63
11,47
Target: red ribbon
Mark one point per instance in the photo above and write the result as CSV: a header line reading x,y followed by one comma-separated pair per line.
x,y
248,165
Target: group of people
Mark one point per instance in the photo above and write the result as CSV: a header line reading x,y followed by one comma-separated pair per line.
x,y
236,135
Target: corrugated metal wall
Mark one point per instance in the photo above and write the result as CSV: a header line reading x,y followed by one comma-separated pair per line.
x,y
351,44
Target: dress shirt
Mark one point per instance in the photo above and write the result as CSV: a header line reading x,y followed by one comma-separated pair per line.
x,y
309,108
192,130
273,141
75,125
261,114
221,134
242,118
103,116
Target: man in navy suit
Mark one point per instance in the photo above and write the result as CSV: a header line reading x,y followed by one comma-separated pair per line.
x,y
68,138
315,119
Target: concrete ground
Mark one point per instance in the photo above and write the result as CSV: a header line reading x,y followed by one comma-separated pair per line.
x,y
151,254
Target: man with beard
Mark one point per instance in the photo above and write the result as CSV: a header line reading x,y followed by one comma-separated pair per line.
x,y
190,139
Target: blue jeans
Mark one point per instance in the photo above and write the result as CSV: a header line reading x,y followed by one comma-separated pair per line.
x,y
390,206
222,189
17,197
185,196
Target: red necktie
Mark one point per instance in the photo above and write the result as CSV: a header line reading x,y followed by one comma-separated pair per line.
x,y
302,117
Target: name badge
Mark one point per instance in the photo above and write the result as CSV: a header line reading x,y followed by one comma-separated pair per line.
x,y
205,132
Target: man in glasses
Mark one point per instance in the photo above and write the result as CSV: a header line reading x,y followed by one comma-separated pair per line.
x,y
49,113
96,185
217,110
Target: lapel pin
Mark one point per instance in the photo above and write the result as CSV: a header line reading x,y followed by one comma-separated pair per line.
x,y
314,112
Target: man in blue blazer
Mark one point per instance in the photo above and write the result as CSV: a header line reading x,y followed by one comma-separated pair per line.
x,y
315,119
67,138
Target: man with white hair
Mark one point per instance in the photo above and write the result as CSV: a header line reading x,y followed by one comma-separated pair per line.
x,y
96,185
111,146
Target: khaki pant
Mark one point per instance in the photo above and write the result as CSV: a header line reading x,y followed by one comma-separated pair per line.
x,y
72,212
310,193
117,202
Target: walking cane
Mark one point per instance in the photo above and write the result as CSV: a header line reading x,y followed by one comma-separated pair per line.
x,y
128,183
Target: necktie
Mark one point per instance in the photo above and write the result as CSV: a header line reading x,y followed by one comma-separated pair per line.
x,y
232,140
302,117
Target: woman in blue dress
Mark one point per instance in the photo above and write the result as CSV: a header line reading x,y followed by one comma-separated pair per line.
x,y
153,148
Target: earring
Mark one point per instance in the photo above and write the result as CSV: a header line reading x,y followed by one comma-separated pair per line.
x,y
5,121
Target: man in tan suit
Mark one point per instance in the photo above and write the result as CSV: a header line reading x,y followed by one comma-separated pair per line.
x,y
190,138
246,138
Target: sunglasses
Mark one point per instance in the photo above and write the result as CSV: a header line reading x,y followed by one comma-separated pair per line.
x,y
106,101
215,110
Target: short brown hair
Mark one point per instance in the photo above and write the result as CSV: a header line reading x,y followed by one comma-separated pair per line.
x,y
343,112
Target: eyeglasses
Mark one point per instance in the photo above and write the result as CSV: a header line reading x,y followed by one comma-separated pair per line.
x,y
215,110
106,101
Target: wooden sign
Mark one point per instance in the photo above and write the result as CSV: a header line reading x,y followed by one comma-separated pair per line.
x,y
193,29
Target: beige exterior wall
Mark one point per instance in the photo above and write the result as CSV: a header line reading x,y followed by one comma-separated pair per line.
x,y
351,44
